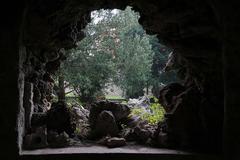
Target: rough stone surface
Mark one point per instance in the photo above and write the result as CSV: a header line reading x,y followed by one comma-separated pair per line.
x,y
197,30
51,29
38,119
112,142
168,93
21,113
119,111
59,119
37,139
128,134
143,101
186,121
28,104
56,139
80,113
128,150
115,142
80,117
142,134
105,125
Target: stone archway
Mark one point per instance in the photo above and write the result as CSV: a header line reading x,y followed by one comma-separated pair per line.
x,y
191,28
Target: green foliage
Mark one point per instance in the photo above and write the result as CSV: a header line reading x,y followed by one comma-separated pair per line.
x,y
73,101
156,115
86,71
116,49
78,131
134,65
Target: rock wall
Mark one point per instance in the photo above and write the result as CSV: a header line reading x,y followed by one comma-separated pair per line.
x,y
231,78
11,80
21,112
186,26
190,28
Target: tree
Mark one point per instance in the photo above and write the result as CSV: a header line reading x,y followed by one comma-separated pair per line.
x,y
87,70
115,49
134,64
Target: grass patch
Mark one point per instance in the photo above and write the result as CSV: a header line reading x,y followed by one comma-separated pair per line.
x,y
71,94
115,97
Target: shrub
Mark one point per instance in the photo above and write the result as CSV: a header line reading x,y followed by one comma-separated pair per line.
x,y
153,115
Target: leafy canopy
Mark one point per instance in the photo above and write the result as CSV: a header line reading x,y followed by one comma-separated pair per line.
x,y
116,49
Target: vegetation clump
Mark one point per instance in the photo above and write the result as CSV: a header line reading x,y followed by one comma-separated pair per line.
x,y
153,115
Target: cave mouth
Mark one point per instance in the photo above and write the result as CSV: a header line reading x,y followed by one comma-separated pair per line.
x,y
190,105
106,90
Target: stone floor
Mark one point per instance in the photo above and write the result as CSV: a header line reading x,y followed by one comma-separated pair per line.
x,y
97,149
129,152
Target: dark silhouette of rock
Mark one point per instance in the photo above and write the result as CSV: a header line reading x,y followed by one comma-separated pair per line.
x,y
35,140
112,142
194,29
105,125
167,93
119,111
57,140
39,119
28,104
185,121
115,142
128,134
80,113
59,119
144,133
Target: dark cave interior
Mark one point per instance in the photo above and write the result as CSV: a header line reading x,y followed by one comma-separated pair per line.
x,y
203,112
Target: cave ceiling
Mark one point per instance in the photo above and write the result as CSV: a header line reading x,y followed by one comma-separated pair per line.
x,y
191,28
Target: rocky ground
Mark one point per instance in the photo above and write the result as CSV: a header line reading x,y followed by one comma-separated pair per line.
x,y
112,124
106,123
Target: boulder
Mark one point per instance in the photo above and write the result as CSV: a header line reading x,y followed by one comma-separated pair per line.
x,y
143,101
112,142
119,111
160,137
183,121
39,119
105,125
36,140
80,117
115,142
168,93
80,113
59,119
56,140
128,134
142,135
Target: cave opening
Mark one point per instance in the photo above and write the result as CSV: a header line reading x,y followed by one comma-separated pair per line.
x,y
116,66
189,105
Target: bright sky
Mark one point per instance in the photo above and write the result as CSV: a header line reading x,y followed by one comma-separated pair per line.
x,y
95,17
